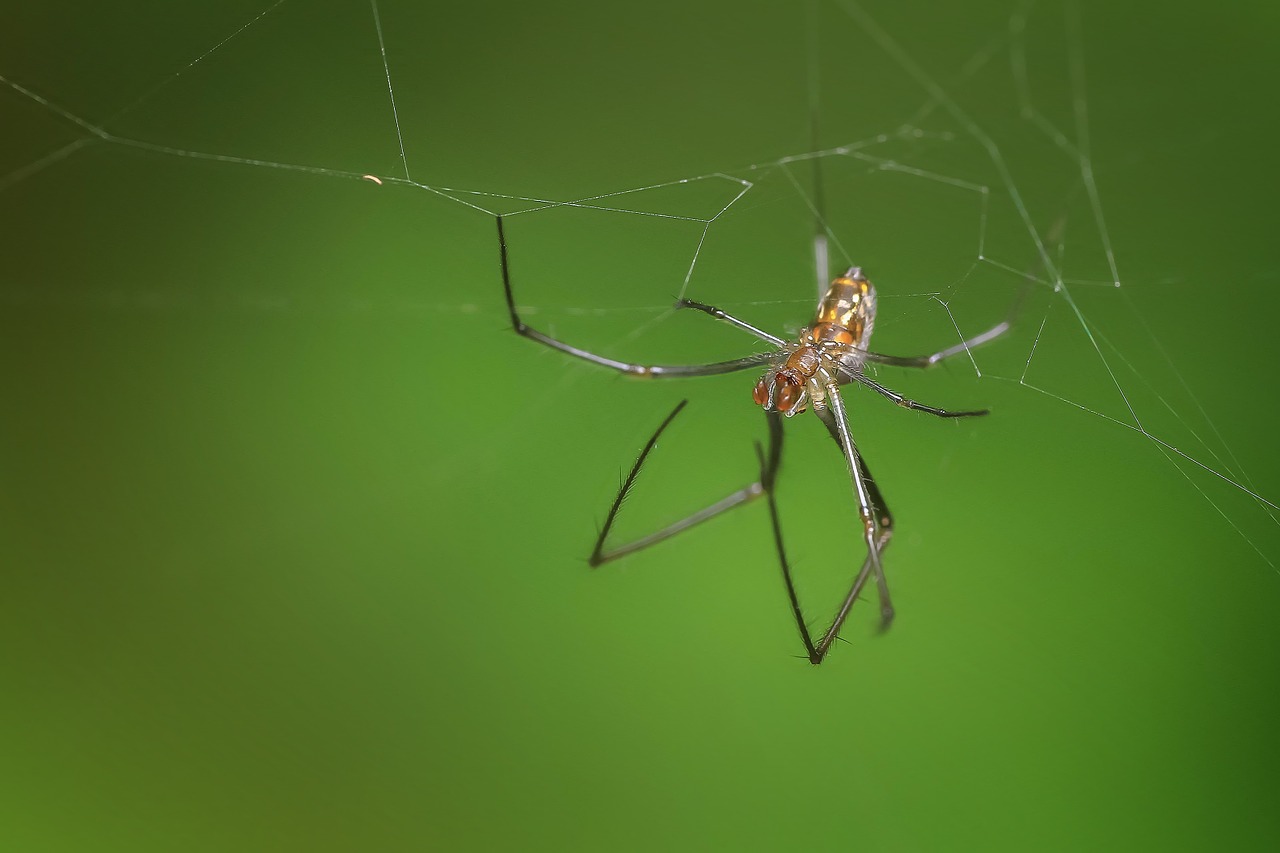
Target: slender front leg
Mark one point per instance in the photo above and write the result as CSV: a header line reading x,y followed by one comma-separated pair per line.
x,y
768,472
1054,234
770,461
884,518
870,503
768,478
645,370
912,404
933,358
730,319
818,652
866,515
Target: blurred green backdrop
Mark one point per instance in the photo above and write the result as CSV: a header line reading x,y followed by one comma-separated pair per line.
x,y
295,527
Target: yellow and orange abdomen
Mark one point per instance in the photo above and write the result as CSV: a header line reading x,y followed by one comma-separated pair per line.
x,y
846,313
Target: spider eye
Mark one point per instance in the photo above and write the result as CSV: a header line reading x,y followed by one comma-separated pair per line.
x,y
761,393
788,394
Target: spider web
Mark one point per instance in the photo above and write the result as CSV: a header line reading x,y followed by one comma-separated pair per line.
x,y
969,176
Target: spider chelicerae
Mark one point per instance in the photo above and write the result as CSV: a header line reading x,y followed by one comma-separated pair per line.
x,y
805,373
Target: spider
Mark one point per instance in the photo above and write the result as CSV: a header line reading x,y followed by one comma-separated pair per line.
x,y
802,374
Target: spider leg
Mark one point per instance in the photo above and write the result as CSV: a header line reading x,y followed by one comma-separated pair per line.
x,y
869,502
646,370
815,656
999,329
821,244
866,514
729,318
770,461
821,249
768,473
912,404
884,518
817,653
933,358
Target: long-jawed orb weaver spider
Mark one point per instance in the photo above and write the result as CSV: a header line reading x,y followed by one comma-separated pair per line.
x,y
800,374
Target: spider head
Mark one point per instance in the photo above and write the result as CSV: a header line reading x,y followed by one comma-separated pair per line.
x,y
781,391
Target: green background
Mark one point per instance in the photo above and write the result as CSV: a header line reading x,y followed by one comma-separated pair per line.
x,y
294,527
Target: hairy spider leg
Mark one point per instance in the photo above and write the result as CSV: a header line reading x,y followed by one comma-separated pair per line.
x,y
912,404
657,371
731,320
748,493
883,519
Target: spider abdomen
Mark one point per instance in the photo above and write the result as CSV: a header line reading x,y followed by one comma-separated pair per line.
x,y
846,313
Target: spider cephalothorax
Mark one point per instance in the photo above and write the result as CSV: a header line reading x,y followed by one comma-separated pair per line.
x,y
783,389
833,345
